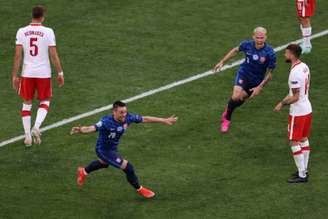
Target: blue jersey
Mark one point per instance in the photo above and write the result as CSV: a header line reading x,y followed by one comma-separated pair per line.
x,y
110,131
257,61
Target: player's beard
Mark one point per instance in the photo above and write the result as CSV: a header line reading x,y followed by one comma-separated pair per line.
x,y
288,61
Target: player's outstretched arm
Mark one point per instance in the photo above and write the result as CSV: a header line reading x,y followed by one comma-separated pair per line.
x,y
83,129
233,52
267,78
16,66
56,61
166,121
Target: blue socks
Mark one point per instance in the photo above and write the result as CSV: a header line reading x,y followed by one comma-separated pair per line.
x,y
95,165
232,105
131,176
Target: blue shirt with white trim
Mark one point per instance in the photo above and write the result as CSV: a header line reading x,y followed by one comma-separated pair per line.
x,y
110,130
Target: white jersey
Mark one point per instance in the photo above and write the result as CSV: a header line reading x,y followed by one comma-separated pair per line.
x,y
36,40
299,77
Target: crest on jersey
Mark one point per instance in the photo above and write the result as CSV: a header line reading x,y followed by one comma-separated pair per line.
x,y
125,126
255,57
262,59
119,129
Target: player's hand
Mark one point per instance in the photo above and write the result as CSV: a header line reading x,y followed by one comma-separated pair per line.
x,y
76,130
60,80
171,120
218,66
256,91
278,107
15,83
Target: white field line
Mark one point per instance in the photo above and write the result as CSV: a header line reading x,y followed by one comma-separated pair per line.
x,y
150,92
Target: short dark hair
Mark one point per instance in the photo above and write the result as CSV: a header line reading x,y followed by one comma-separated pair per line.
x,y
118,103
295,49
38,11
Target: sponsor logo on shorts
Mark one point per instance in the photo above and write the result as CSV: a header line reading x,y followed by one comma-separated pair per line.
x,y
294,82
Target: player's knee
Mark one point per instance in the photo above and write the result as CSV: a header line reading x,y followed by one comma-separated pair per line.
x,y
125,164
294,143
44,104
128,168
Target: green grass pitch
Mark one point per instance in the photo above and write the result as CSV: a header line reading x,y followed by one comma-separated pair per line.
x,y
117,49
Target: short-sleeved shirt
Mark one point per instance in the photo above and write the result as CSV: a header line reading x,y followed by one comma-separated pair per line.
x,y
111,131
299,77
257,61
36,40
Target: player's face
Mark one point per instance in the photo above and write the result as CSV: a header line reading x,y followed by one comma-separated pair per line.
x,y
288,56
259,38
120,113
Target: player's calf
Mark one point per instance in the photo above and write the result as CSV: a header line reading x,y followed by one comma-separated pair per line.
x,y
26,120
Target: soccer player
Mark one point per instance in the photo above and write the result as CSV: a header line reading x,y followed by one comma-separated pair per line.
x,y
111,128
35,41
253,73
305,10
300,113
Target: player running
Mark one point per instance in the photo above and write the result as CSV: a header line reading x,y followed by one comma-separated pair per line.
x,y
253,73
111,128
35,41
305,10
300,113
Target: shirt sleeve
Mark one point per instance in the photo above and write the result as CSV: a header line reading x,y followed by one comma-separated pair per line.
x,y
19,38
243,46
100,125
272,60
294,81
135,118
51,38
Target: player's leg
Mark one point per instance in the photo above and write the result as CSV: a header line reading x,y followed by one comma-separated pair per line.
x,y
26,91
132,178
305,144
44,95
295,136
93,166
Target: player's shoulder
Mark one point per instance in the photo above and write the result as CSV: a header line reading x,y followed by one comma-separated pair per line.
x,y
269,48
247,42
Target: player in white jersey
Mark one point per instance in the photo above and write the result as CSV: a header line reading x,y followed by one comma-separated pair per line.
x,y
36,42
300,113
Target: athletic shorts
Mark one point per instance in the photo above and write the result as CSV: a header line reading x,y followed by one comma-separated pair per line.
x,y
28,87
112,158
299,127
305,10
244,82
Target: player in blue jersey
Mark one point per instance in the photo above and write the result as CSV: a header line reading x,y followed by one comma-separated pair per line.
x,y
111,128
252,74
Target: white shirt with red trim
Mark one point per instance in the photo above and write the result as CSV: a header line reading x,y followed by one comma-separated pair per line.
x,y
36,40
299,77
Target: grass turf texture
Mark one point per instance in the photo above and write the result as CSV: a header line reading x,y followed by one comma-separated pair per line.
x,y
115,49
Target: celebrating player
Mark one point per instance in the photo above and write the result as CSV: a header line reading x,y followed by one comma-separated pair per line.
x,y
35,41
300,114
252,74
111,128
305,10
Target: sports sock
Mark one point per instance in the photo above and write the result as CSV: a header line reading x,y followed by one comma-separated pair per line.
x,y
26,119
131,176
306,32
232,105
299,160
94,165
306,153
42,113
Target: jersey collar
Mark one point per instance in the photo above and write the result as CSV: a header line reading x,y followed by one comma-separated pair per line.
x,y
295,64
36,24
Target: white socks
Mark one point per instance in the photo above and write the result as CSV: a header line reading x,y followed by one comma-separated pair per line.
x,y
42,113
306,153
306,32
26,119
299,160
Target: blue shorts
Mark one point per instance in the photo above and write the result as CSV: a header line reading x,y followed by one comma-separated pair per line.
x,y
112,158
247,84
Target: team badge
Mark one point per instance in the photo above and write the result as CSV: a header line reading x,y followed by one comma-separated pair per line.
x,y
119,129
262,59
255,57
125,126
